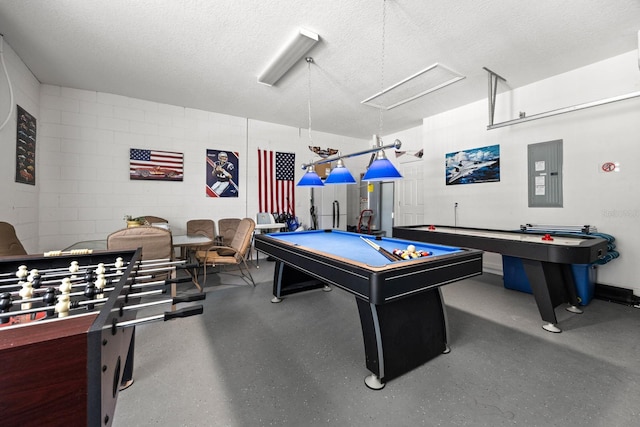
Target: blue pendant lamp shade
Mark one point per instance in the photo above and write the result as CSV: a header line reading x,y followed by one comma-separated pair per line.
x,y
381,169
310,179
340,175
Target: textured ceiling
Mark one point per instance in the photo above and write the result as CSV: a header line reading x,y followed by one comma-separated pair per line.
x,y
206,54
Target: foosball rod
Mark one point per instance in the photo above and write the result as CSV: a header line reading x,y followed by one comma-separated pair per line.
x,y
169,315
175,300
119,264
99,301
97,290
74,264
105,290
148,265
41,289
146,273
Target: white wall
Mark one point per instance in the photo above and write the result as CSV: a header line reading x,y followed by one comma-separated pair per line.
x,y
84,145
591,137
19,205
269,136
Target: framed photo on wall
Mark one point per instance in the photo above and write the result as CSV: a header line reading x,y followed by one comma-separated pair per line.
x,y
473,166
154,165
222,173
26,148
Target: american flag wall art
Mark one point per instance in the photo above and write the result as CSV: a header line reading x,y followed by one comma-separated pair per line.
x,y
155,165
276,187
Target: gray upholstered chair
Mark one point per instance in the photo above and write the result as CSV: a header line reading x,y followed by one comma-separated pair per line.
x,y
235,253
9,242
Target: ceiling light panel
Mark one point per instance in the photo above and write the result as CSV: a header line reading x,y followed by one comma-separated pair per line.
x,y
419,84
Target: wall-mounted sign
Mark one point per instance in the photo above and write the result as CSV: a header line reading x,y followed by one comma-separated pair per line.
x,y
607,167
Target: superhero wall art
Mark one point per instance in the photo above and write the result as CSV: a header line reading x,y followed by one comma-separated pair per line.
x,y
222,173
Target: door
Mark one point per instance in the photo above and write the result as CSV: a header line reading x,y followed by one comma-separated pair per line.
x,y
409,195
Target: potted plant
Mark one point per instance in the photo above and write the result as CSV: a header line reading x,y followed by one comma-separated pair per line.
x,y
134,221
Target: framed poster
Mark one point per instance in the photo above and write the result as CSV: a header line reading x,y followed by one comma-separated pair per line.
x,y
222,173
26,148
154,165
473,166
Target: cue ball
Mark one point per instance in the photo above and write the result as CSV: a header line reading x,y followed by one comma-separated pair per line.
x,y
411,248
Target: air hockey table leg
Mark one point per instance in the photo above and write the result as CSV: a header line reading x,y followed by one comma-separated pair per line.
x,y
569,281
549,290
373,382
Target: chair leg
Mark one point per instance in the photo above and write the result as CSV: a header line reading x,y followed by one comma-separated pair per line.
x,y
248,272
204,272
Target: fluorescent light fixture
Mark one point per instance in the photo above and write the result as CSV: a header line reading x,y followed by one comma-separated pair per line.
x,y
429,80
310,179
340,175
381,169
292,52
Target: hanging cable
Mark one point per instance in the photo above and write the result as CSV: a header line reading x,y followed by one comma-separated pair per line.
x,y
384,20
309,62
6,73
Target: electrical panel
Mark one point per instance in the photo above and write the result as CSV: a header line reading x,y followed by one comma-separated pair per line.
x,y
545,174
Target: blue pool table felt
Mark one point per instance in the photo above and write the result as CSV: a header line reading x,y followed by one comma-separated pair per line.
x,y
350,245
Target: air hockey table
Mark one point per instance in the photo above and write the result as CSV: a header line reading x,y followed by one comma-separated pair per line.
x,y
546,258
402,314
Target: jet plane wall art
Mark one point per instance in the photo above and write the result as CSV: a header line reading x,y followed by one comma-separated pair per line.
x,y
473,166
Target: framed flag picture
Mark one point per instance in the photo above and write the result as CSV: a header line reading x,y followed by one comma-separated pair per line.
x,y
222,173
26,148
154,165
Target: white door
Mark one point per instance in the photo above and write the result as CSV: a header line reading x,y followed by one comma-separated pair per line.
x,y
410,195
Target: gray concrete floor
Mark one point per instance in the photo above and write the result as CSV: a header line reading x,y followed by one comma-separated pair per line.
x,y
248,362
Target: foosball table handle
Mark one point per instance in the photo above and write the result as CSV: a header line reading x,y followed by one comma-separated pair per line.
x,y
183,312
190,298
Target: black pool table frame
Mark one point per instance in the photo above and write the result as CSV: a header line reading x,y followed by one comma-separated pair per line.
x,y
547,266
402,314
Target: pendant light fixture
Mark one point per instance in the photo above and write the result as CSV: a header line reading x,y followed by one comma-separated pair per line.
x,y
310,178
340,175
381,169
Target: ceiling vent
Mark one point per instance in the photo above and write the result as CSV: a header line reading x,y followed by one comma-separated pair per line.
x,y
421,83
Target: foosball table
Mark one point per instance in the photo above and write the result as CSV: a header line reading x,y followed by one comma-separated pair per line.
x,y
67,328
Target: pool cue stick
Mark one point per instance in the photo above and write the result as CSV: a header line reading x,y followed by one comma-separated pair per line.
x,y
383,251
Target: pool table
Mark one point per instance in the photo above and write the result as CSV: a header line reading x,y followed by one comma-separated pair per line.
x,y
546,258
400,305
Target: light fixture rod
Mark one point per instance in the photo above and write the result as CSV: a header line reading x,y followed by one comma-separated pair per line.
x,y
396,144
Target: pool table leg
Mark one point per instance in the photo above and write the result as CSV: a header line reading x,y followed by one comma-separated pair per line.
x,y
402,334
288,280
